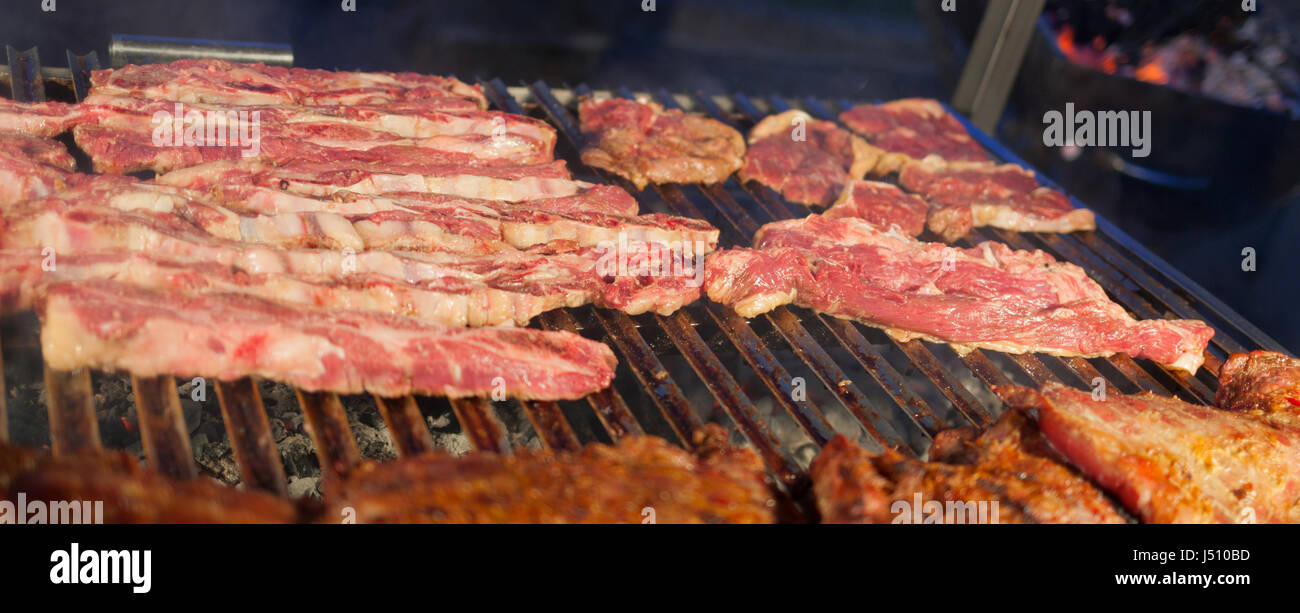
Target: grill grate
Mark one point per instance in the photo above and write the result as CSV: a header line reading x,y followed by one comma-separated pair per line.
x,y
703,363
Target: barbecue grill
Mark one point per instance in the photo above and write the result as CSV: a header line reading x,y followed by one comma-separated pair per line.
x,y
785,383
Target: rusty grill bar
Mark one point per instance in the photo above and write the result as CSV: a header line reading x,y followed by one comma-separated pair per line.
x,y
895,394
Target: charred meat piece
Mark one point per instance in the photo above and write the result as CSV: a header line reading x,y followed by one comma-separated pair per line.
x,y
1009,466
910,130
222,82
987,297
110,325
963,195
806,160
881,204
127,493
1173,462
638,479
644,143
1263,384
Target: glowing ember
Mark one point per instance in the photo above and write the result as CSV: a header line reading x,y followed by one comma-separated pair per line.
x,y
1152,72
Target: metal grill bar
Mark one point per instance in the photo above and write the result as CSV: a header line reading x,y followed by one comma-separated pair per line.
x,y
405,425
25,75
479,422
551,426
163,433
737,405
71,406
327,425
81,66
610,408
250,436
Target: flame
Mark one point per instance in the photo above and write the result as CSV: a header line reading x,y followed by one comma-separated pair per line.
x,y
126,424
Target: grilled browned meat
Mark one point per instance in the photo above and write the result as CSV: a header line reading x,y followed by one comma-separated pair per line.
x,y
600,484
646,144
1170,461
129,493
1010,466
1263,384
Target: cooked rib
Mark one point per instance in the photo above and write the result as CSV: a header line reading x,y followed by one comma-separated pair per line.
x,y
600,484
882,204
1010,465
967,194
447,296
1264,384
32,167
222,82
124,135
516,183
910,130
423,222
644,143
1173,462
129,494
41,119
108,325
298,229
987,297
813,169
488,289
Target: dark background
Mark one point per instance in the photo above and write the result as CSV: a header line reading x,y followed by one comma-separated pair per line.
x,y
827,48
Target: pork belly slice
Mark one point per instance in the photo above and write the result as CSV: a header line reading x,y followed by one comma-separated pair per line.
x,y
108,325
910,130
986,297
599,484
122,135
514,183
126,493
963,195
807,160
882,204
1264,384
39,119
32,167
644,143
1173,462
1010,465
461,289
222,82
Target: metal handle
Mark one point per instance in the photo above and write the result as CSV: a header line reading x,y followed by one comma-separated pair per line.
x,y
125,49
